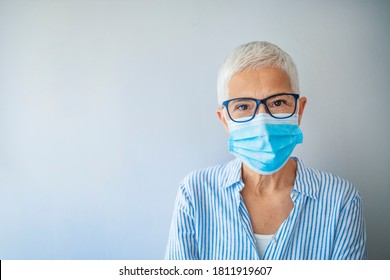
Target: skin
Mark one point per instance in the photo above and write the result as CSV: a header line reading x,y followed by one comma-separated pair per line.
x,y
266,197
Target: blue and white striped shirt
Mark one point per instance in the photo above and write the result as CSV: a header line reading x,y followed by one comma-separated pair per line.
x,y
211,222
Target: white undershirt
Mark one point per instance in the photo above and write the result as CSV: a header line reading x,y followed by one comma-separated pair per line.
x,y
262,242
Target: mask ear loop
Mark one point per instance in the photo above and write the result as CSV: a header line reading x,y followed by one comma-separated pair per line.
x,y
297,112
228,120
226,115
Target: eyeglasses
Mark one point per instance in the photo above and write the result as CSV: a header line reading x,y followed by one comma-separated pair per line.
x,y
279,106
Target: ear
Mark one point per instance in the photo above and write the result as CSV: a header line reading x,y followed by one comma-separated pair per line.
x,y
302,103
221,117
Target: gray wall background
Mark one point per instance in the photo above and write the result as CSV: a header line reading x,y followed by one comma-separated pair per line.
x,y
106,105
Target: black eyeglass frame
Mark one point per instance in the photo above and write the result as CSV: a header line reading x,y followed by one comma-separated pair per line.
x,y
261,101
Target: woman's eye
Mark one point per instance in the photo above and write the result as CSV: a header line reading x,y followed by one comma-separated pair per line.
x,y
278,103
242,107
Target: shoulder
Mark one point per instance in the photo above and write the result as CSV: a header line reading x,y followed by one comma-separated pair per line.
x,y
327,186
213,177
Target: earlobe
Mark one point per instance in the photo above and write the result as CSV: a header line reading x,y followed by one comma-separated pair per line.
x,y
221,117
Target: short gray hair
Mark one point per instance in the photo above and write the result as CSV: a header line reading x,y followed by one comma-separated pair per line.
x,y
252,56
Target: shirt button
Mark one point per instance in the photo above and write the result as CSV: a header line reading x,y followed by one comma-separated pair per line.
x,y
273,240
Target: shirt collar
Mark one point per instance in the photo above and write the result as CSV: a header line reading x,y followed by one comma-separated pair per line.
x,y
233,173
306,180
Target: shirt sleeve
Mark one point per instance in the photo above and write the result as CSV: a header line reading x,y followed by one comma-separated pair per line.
x,y
181,243
350,239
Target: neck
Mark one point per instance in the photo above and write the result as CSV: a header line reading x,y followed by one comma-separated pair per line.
x,y
268,184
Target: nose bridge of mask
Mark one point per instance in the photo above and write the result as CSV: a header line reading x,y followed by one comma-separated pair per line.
x,y
262,118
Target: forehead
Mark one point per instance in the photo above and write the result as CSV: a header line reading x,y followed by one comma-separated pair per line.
x,y
259,83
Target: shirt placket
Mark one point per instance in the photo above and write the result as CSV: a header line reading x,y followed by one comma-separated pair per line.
x,y
245,219
279,244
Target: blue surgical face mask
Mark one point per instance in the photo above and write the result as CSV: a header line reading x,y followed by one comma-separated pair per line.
x,y
265,143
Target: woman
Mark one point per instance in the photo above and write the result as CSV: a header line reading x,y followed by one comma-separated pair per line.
x,y
264,204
